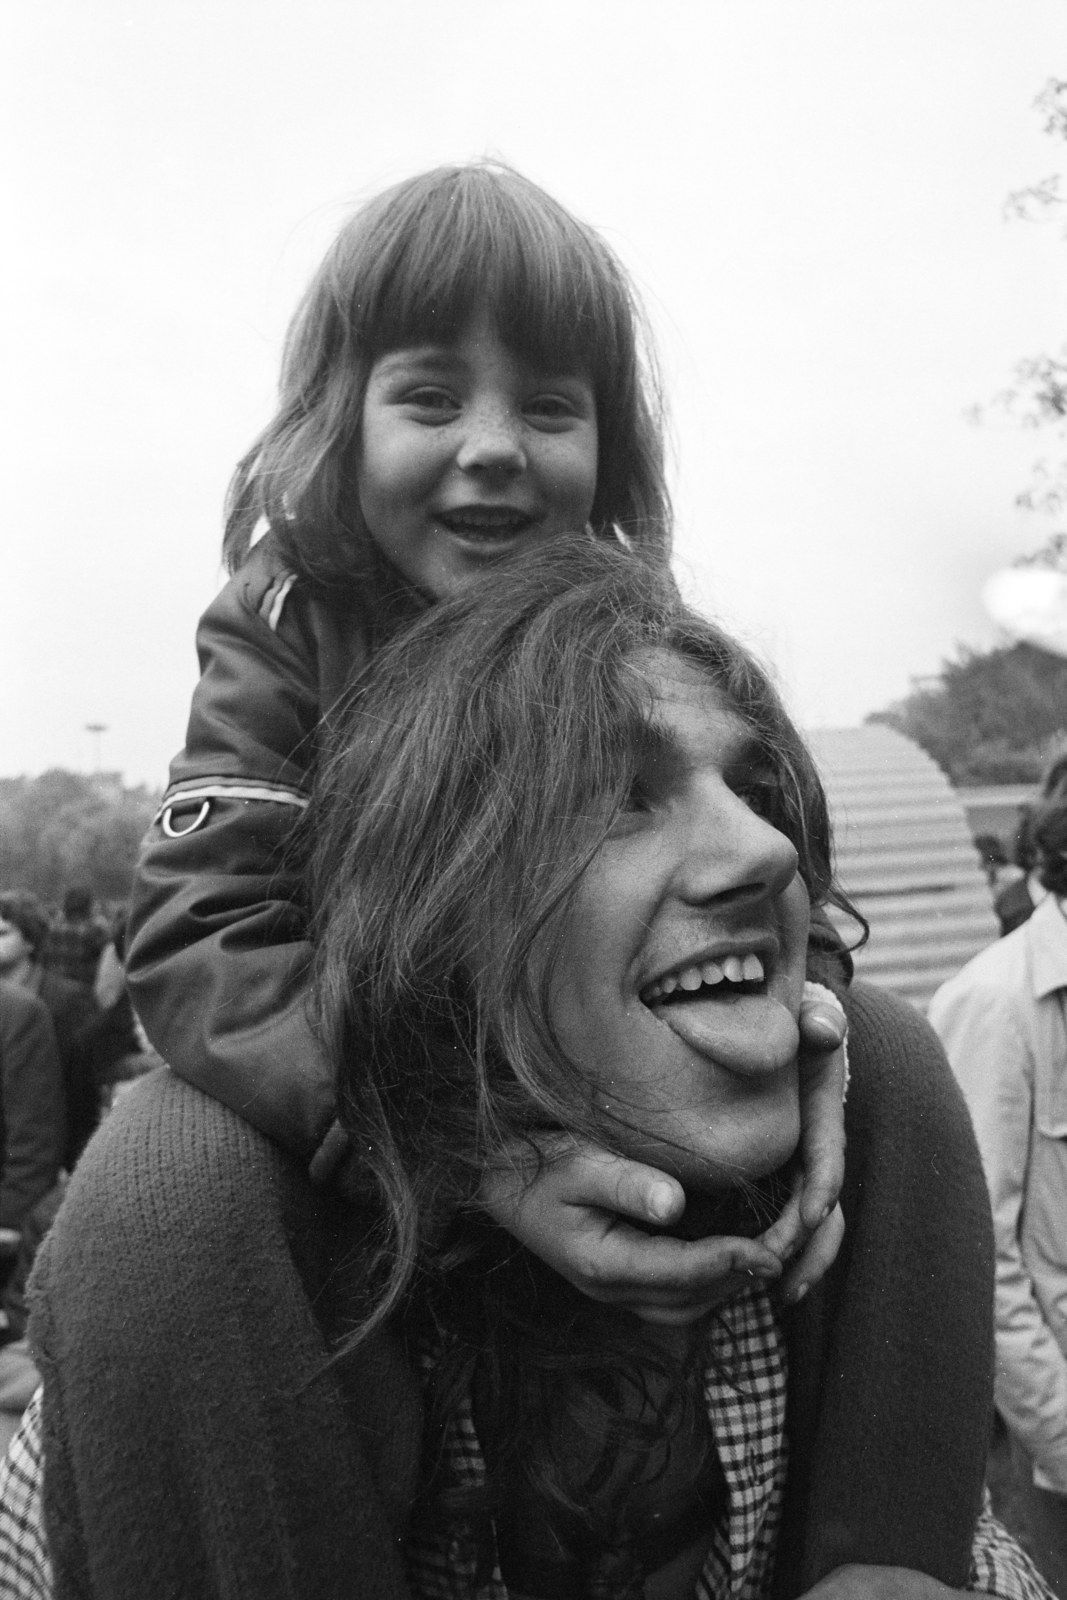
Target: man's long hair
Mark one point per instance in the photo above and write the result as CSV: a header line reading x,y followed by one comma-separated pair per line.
x,y
482,760
479,767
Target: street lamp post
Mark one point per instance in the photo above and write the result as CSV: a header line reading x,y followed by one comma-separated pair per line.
x,y
97,729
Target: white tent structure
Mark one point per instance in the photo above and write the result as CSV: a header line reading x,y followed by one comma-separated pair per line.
x,y
906,859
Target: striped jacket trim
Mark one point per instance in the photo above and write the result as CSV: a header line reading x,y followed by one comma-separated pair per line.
x,y
235,789
273,601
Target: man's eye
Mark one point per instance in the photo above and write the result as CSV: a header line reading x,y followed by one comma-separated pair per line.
x,y
640,797
759,794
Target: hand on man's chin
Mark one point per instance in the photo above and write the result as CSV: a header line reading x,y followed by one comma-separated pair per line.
x,y
743,1211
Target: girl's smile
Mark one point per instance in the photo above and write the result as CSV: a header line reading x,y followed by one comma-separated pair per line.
x,y
468,452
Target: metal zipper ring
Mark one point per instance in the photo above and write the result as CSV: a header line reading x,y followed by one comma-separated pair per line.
x,y
180,833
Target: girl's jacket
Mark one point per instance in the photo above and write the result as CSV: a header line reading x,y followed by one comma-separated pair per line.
x,y
217,956
217,953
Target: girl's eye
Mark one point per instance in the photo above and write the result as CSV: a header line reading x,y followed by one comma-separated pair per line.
x,y
432,401
549,408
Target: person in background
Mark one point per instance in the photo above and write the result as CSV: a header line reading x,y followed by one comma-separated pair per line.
x,y
31,1085
1003,1022
24,936
993,857
76,939
1016,901
117,1048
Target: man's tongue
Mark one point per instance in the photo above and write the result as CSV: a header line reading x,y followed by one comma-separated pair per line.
x,y
742,1032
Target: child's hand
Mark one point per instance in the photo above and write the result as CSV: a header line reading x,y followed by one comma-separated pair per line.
x,y
572,1214
812,1218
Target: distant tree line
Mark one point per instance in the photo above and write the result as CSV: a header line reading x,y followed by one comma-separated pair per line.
x,y
1037,394
63,829
1000,716
996,716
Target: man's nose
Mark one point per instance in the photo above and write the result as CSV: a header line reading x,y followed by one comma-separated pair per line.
x,y
492,440
734,854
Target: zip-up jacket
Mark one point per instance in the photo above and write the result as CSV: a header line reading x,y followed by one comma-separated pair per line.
x,y
217,957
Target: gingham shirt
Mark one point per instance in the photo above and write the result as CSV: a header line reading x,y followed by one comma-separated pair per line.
x,y
747,1413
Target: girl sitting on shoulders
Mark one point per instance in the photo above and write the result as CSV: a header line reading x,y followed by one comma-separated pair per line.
x,y
563,871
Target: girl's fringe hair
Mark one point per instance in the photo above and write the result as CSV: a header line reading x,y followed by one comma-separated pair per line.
x,y
410,267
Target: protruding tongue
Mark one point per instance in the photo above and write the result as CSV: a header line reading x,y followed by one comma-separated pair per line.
x,y
742,1032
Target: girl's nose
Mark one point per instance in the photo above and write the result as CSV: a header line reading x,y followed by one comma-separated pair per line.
x,y
492,440
733,854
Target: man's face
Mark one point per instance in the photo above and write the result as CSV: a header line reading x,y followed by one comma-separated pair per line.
x,y
680,970
14,948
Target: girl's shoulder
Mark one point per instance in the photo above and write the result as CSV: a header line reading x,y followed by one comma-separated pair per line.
x,y
263,582
327,627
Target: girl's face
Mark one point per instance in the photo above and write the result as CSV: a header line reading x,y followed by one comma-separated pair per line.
x,y
679,972
468,453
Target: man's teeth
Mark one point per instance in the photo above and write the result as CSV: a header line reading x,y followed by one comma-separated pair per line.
x,y
734,969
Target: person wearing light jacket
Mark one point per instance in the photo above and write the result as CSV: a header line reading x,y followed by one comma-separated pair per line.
x,y
1003,1022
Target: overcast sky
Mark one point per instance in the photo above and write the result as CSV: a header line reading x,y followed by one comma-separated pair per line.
x,y
808,192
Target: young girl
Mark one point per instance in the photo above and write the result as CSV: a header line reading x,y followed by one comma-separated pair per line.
x,y
462,381
562,874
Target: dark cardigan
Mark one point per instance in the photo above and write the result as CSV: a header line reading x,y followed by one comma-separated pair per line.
x,y
196,1446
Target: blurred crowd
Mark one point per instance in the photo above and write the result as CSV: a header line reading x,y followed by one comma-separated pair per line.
x,y
69,1041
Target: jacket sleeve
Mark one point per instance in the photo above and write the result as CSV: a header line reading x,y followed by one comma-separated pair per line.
x,y
33,1105
217,955
992,1060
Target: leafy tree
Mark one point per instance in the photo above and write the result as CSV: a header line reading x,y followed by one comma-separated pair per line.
x,y
997,716
1037,396
1000,716
63,828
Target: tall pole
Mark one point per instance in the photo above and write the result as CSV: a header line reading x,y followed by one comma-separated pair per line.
x,y
97,729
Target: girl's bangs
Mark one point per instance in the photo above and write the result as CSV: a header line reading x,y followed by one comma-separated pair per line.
x,y
553,293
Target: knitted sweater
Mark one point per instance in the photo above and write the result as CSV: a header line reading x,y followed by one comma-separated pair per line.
x,y
197,1443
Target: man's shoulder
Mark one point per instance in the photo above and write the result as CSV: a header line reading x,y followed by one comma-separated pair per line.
x,y
990,998
1000,966
1007,966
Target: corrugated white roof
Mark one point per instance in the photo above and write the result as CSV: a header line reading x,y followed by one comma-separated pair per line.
x,y
905,856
